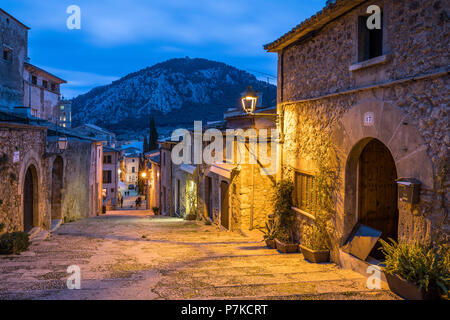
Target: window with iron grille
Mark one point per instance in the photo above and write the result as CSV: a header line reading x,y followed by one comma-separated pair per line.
x,y
303,191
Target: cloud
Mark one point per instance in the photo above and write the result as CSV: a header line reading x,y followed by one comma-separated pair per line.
x,y
78,82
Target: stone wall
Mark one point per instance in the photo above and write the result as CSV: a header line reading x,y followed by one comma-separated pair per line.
x,y
415,41
30,142
410,117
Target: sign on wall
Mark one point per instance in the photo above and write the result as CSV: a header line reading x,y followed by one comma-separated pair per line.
x,y
16,156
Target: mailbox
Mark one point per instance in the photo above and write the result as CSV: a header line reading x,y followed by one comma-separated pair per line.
x,y
408,190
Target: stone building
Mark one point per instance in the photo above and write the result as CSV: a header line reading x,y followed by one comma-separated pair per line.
x,y
166,177
366,108
237,194
111,165
14,46
153,160
65,113
91,130
44,185
42,93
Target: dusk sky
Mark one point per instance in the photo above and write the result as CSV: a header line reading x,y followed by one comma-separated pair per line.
x,y
120,37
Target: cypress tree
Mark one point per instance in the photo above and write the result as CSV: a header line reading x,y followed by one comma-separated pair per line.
x,y
153,137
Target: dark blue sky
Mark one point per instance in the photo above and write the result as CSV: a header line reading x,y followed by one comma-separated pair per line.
x,y
119,37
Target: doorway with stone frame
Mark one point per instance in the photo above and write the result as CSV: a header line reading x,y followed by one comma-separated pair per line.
x,y
30,199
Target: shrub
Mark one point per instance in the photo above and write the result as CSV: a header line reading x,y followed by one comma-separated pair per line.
x,y
427,267
270,231
283,213
155,211
314,238
14,243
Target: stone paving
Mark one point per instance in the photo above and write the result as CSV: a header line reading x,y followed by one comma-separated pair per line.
x,y
136,256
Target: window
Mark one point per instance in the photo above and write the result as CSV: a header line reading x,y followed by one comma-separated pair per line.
x,y
107,159
132,160
370,42
107,178
112,190
53,86
303,191
45,84
34,80
7,54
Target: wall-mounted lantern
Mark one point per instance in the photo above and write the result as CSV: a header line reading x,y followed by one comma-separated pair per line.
x,y
408,190
62,142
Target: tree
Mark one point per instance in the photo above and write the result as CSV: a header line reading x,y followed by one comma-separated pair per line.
x,y
146,148
153,136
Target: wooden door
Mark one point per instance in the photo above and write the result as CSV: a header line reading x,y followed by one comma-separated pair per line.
x,y
28,201
378,191
208,198
224,212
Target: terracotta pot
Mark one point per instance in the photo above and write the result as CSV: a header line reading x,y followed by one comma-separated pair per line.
x,y
408,290
271,243
315,256
286,247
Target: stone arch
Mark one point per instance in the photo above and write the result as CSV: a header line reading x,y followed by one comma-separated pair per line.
x,y
57,187
397,131
30,160
30,212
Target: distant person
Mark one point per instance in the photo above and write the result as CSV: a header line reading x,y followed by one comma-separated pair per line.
x,y
121,202
138,202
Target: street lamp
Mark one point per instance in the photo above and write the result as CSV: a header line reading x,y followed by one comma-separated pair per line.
x,y
249,100
62,146
144,174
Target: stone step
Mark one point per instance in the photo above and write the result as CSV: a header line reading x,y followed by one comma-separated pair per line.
x,y
56,224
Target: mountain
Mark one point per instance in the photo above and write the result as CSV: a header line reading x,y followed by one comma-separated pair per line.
x,y
176,92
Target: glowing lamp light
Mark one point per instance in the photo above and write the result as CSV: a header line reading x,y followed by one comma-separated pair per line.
x,y
144,175
62,143
249,100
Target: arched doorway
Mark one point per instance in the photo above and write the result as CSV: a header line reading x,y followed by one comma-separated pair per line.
x,y
57,185
377,191
30,199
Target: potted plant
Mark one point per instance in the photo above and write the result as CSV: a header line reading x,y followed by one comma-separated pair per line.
x,y
284,218
269,235
415,271
314,245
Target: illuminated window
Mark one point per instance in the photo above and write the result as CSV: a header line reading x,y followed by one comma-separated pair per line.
x,y
303,191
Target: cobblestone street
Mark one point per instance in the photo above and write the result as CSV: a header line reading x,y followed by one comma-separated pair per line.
x,y
130,256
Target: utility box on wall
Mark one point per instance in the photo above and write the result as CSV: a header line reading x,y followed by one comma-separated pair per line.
x,y
408,190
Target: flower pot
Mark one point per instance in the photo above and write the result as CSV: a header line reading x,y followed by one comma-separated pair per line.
x,y
408,290
315,256
286,247
271,243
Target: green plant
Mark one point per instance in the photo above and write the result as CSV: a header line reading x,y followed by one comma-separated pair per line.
x,y
315,238
155,211
14,242
269,231
428,267
283,213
